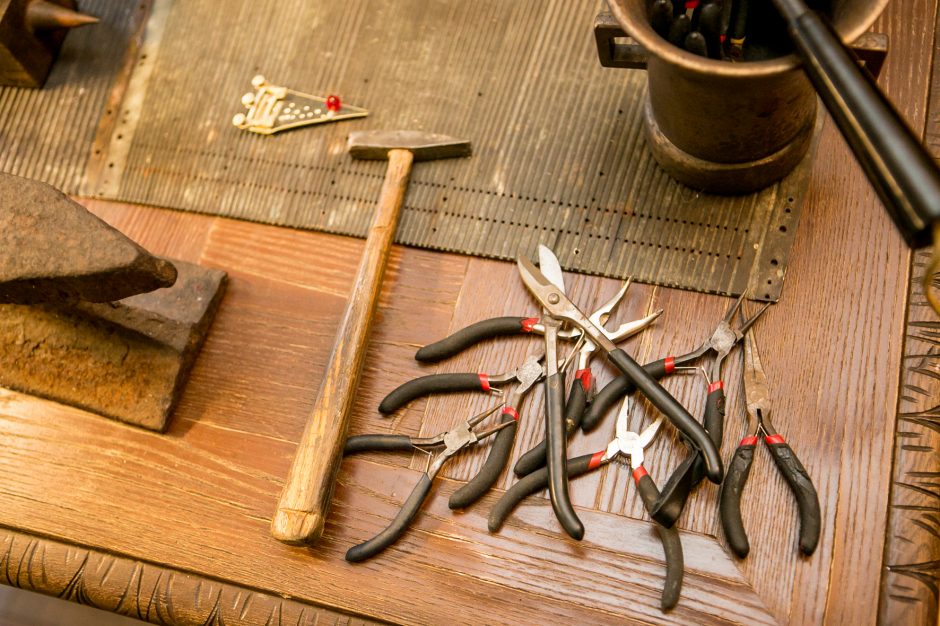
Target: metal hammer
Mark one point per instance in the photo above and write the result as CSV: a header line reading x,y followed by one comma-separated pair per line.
x,y
305,500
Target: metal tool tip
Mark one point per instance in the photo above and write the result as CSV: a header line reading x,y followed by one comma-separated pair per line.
x,y
45,15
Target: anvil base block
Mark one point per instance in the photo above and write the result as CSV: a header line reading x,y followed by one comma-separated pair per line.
x,y
126,360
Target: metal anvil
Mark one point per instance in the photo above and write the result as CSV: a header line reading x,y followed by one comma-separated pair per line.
x,y
88,317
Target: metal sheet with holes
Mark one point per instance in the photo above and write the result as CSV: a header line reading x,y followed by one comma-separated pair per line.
x,y
48,134
559,155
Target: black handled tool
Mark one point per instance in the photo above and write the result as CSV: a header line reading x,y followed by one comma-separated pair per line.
x,y
628,447
758,413
689,473
558,305
580,393
903,173
453,441
517,383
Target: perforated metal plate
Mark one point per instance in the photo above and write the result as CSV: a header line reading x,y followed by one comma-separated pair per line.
x,y
559,155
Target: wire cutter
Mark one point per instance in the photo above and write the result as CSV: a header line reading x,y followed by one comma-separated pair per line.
x,y
581,388
627,447
555,303
517,383
453,441
758,417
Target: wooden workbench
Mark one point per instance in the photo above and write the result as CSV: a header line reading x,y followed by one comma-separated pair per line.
x,y
174,528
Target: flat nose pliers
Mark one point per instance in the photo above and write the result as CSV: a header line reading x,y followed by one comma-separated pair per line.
x,y
627,447
452,441
795,475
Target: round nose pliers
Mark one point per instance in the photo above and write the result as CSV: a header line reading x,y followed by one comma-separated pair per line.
x,y
452,441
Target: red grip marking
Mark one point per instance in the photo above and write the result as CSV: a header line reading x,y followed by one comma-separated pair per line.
x,y
596,459
639,473
670,364
774,439
723,37
748,441
691,4
528,323
715,386
508,410
585,377
484,382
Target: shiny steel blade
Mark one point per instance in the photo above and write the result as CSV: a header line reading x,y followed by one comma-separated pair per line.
x,y
558,305
550,267
755,382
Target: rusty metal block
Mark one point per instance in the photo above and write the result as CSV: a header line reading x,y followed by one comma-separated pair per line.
x,y
126,360
54,249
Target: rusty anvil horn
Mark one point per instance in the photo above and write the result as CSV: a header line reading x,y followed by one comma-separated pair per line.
x,y
375,144
45,15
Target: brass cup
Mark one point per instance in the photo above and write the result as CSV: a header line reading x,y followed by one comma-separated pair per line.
x,y
730,127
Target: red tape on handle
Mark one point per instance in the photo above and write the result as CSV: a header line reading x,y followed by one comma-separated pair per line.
x,y
771,439
670,364
585,377
715,386
596,459
528,323
748,441
508,410
639,473
484,382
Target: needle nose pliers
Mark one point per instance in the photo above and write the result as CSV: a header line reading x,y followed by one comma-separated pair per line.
x,y
627,447
758,415
453,441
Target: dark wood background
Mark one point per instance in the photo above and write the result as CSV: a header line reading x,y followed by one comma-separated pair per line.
x,y
174,528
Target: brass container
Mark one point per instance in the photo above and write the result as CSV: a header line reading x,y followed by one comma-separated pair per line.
x,y
728,127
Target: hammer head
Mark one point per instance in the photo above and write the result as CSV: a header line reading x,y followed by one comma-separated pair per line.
x,y
375,144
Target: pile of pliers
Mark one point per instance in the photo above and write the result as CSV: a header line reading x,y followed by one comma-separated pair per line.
x,y
547,463
512,386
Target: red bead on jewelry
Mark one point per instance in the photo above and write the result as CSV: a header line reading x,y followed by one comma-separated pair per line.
x,y
333,103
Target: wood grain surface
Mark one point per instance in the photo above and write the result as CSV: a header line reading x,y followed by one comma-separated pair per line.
x,y
911,572
199,499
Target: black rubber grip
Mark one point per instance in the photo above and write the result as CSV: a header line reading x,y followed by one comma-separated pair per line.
x,y
686,477
394,530
806,498
492,467
466,337
672,546
729,501
435,383
614,391
557,459
673,410
574,412
379,443
532,484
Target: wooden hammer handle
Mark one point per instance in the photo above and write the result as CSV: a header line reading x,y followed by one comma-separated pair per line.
x,y
305,500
